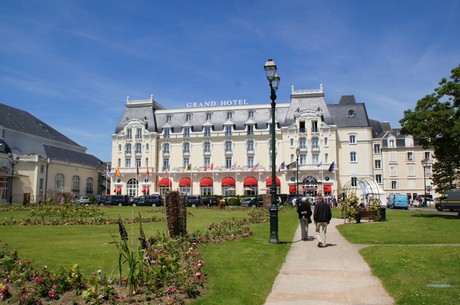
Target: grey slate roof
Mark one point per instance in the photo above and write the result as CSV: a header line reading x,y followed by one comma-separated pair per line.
x,y
61,154
349,113
22,121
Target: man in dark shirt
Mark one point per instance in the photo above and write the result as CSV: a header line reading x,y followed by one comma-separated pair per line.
x,y
322,216
304,211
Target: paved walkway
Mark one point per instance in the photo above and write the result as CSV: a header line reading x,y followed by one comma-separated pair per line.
x,y
336,274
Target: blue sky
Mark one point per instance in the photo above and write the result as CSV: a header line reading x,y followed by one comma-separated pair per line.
x,y
73,63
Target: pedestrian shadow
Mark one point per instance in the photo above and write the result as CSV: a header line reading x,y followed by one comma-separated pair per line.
x,y
327,245
435,215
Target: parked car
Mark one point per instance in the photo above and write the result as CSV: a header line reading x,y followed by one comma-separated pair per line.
x,y
449,200
133,200
100,199
153,200
244,202
84,200
255,202
117,200
209,201
192,201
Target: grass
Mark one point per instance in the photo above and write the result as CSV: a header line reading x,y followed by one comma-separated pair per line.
x,y
412,258
238,272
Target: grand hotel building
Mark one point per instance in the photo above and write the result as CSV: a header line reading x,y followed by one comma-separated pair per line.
x,y
223,148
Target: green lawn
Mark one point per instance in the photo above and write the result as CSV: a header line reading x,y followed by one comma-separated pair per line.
x,y
413,266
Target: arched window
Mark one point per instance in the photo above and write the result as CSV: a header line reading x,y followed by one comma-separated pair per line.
x,y
76,184
59,183
89,186
128,149
131,187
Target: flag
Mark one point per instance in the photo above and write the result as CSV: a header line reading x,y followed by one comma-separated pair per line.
x,y
319,164
137,169
256,167
291,165
331,168
147,172
210,167
233,167
188,167
117,171
282,166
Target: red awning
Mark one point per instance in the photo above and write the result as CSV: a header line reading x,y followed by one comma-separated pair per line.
x,y
292,189
185,182
250,181
227,181
269,181
206,182
117,189
165,182
327,188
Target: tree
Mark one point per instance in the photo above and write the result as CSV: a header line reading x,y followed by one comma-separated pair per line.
x,y
435,123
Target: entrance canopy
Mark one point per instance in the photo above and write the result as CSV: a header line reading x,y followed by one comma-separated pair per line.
x,y
269,181
250,181
206,182
228,181
165,182
185,182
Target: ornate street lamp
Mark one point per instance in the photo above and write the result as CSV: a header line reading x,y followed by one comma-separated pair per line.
x,y
297,152
273,79
13,161
424,164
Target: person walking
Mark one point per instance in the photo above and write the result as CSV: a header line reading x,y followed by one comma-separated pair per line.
x,y
322,216
304,211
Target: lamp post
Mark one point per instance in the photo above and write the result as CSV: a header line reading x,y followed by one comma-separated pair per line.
x,y
273,79
424,164
13,161
297,152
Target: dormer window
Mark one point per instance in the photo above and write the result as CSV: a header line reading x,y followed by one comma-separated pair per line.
x,y
166,133
186,132
250,129
188,117
251,114
208,116
351,113
168,118
228,130
229,115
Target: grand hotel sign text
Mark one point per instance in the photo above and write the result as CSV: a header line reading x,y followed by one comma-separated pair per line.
x,y
216,104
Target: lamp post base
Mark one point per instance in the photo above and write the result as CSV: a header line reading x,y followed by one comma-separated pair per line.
x,y
274,224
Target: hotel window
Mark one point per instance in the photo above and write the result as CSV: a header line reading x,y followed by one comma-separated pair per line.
x,y
138,162
303,159
250,129
302,127
228,130
166,133
292,142
41,184
208,116
207,162
354,181
326,158
351,114
42,169
119,147
119,162
228,162
147,146
427,155
188,117
353,156
129,133
393,170
378,179
302,143
250,162
326,144
186,148
410,156
186,132
352,139
391,143
394,184
314,126
207,146
128,149
229,115
315,159
250,146
127,162
165,164
207,131
166,148
228,146
138,148
168,118
138,133
376,148
410,170
251,114
378,164
315,143
146,162
186,163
